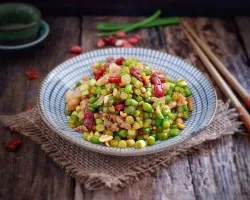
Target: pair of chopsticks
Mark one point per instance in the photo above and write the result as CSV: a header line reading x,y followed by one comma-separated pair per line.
x,y
198,46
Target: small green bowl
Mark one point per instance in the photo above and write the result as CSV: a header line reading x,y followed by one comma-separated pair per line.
x,y
19,23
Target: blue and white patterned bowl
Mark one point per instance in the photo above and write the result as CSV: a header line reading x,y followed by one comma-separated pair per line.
x,y
64,77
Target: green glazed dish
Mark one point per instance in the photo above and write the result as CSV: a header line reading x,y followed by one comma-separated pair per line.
x,y
42,34
19,23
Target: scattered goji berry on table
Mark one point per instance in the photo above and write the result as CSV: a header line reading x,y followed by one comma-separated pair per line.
x,y
120,34
12,129
32,74
138,36
133,40
119,40
100,43
119,43
13,145
75,49
28,107
127,44
110,40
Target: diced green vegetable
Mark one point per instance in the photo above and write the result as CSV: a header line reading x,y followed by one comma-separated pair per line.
x,y
125,79
174,132
95,139
122,133
140,144
147,107
122,144
150,140
158,112
165,123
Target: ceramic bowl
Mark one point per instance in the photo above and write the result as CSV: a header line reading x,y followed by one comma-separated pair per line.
x,y
64,77
42,34
19,23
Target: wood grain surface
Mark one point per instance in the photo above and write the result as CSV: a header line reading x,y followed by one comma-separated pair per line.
x,y
220,171
29,173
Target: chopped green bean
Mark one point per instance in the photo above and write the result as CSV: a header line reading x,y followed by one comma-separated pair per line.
x,y
138,84
131,132
171,115
98,90
130,143
114,143
147,107
85,135
168,99
163,136
125,79
123,96
159,115
129,119
174,132
158,122
140,144
128,89
147,131
122,144
129,110
150,140
155,136
99,127
165,123
95,139
122,133
92,99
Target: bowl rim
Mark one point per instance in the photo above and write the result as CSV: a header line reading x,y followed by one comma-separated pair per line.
x,y
129,153
26,25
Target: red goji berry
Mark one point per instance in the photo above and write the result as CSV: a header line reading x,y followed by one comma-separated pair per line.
x,y
110,40
12,129
100,43
126,44
119,43
32,74
138,36
119,61
133,40
75,49
28,107
13,144
120,34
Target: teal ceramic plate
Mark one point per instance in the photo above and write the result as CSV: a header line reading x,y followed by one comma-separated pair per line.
x,y
64,77
43,33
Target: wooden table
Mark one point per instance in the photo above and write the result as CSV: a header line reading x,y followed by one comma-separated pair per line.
x,y
220,171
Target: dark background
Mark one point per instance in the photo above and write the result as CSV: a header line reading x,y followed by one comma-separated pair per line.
x,y
219,8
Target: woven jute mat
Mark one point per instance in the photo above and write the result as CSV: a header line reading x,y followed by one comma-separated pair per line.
x,y
96,171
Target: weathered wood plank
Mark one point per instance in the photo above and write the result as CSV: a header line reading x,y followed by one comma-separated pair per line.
x,y
168,183
244,32
29,173
217,170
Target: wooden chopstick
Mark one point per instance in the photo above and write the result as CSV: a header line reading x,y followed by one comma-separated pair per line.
x,y
245,117
219,65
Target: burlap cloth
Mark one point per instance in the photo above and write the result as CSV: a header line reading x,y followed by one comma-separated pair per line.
x,y
96,171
